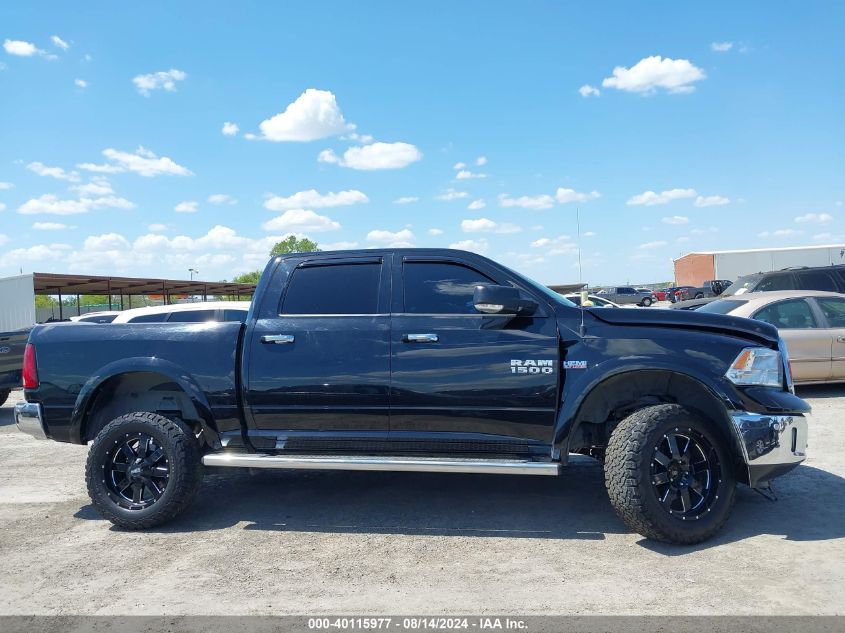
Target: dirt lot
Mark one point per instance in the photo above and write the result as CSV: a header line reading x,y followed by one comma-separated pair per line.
x,y
304,543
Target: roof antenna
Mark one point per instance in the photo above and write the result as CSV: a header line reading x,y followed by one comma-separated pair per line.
x,y
582,330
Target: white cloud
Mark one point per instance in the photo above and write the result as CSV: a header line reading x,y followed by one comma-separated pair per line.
x,y
4,239
37,254
142,162
80,83
650,198
21,48
560,245
161,80
398,239
186,206
313,199
651,73
59,42
53,205
481,161
542,201
435,232
780,233
221,198
485,225
711,201
6,185
676,219
459,166
406,200
824,237
451,194
230,129
314,115
373,156
589,234
588,91
565,196
652,245
815,218
466,174
157,228
98,186
721,47
301,220
2,206
475,205
53,172
476,246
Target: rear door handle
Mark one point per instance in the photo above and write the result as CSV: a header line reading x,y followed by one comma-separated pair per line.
x,y
841,339
277,339
421,338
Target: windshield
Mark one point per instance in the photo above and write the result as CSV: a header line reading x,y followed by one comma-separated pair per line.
x,y
722,306
742,285
556,297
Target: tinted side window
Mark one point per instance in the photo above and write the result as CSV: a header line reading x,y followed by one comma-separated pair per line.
x,y
161,317
234,315
816,280
439,288
775,282
790,315
834,311
333,289
192,316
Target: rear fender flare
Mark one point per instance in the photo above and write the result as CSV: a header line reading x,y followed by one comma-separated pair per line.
x,y
167,369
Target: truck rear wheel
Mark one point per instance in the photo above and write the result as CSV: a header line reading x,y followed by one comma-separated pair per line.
x,y
669,475
143,470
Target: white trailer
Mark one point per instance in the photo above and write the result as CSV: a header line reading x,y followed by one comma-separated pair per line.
x,y
17,302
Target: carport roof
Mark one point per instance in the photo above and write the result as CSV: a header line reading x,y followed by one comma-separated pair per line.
x,y
55,283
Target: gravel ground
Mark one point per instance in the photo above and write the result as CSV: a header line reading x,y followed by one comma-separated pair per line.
x,y
305,543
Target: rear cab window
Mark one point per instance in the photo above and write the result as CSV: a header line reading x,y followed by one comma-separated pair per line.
x,y
158,317
192,316
333,288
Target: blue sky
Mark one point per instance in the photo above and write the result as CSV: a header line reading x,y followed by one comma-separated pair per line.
x,y
671,128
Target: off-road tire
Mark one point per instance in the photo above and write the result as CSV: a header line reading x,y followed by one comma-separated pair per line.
x,y
4,395
629,480
646,302
184,460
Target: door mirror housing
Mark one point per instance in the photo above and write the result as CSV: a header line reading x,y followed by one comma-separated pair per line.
x,y
491,299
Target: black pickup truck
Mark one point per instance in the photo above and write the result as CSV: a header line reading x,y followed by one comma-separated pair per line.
x,y
12,345
422,360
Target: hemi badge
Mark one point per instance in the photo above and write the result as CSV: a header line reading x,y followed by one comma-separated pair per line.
x,y
575,364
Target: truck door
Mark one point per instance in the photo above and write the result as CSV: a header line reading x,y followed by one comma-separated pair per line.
x,y
457,373
319,356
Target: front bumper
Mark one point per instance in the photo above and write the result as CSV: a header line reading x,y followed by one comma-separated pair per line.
x,y
771,445
30,420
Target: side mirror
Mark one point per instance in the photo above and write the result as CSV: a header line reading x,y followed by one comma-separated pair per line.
x,y
491,299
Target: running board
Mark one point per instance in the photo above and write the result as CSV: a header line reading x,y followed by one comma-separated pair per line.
x,y
406,464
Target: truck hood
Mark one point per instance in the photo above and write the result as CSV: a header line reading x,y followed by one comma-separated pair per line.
x,y
690,320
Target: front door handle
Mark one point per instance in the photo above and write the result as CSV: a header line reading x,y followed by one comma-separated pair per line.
x,y
277,339
421,338
841,339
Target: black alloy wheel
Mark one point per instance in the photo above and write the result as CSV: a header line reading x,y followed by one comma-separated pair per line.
x,y
136,472
686,473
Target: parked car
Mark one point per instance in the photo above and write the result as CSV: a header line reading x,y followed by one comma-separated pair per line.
x,y
598,302
711,288
197,312
827,278
95,317
691,304
811,322
660,294
626,295
422,360
12,345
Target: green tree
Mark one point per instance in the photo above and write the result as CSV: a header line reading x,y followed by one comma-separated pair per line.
x,y
248,278
293,245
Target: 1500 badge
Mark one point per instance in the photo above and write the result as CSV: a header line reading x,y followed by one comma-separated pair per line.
x,y
531,366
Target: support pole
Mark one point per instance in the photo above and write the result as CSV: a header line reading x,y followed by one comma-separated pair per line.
x,y
61,312
108,288
78,306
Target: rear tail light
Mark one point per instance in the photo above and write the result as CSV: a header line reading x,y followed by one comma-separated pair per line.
x,y
30,372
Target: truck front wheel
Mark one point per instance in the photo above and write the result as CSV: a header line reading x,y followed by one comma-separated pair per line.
x,y
143,469
669,475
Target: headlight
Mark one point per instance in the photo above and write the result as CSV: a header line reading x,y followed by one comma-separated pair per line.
x,y
757,366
